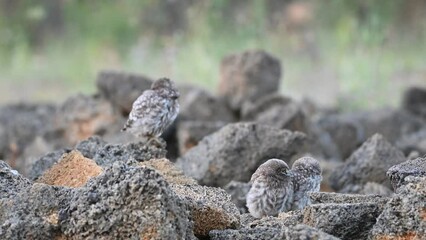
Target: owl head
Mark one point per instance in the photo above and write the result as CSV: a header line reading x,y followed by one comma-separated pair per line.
x,y
272,169
308,165
166,86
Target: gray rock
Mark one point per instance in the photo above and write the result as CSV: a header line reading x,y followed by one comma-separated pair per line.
x,y
83,116
45,162
368,188
33,214
277,111
285,233
340,198
131,153
21,123
238,192
404,215
399,172
126,203
414,101
392,124
235,151
11,182
344,220
191,132
343,132
248,76
90,146
414,142
368,163
211,208
121,89
200,105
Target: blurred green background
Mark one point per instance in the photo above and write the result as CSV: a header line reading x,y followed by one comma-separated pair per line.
x,y
353,54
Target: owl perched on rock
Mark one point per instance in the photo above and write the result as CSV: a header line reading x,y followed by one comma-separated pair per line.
x,y
306,176
154,110
272,189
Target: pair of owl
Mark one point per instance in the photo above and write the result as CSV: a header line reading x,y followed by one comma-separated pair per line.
x,y
277,188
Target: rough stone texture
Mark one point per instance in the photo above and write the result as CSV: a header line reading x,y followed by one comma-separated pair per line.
x,y
368,163
414,100
191,132
84,116
414,142
11,182
126,203
344,220
73,170
404,216
392,124
238,192
277,111
42,164
338,198
121,89
167,169
345,133
21,123
399,172
368,188
90,146
235,151
211,208
200,105
33,213
131,153
248,76
285,233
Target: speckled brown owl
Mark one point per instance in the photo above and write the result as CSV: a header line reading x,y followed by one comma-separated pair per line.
x,y
154,110
306,176
272,189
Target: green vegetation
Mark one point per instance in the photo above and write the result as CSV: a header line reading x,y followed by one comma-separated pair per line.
x,y
362,53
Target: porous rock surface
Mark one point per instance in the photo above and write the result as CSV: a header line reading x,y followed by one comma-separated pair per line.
x,y
368,163
404,216
277,111
200,105
285,233
124,203
11,182
169,171
33,212
236,150
398,173
189,133
248,76
344,220
211,208
238,192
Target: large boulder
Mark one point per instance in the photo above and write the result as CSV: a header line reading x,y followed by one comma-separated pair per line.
x,y
33,213
414,100
248,76
126,203
235,151
211,208
404,216
277,111
121,89
11,182
191,132
344,220
200,105
300,231
398,173
368,163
